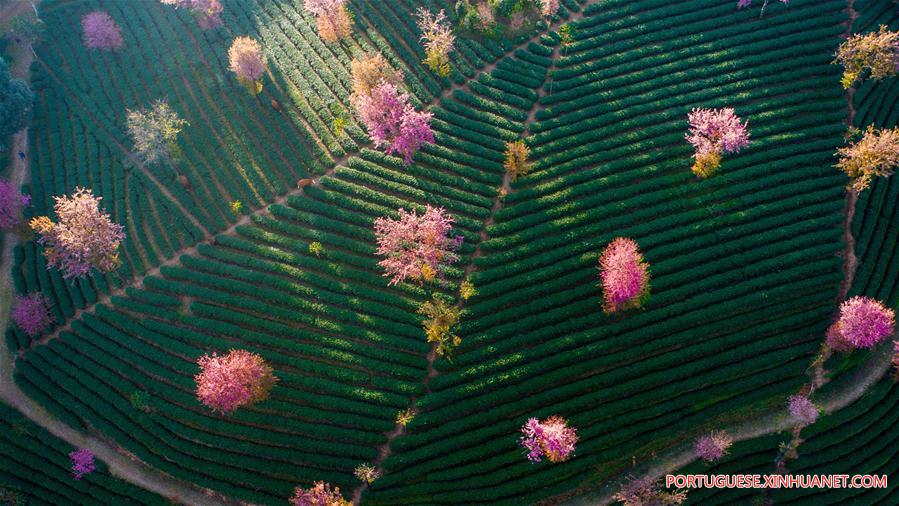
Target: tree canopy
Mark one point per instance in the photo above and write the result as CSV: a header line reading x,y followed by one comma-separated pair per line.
x,y
16,102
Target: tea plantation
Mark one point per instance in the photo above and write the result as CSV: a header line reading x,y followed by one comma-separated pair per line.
x,y
746,266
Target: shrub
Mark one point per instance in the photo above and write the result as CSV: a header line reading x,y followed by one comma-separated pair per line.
x,y
207,12
31,313
82,462
802,410
516,162
366,473
442,317
712,446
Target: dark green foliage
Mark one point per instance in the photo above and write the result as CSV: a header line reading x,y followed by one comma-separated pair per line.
x,y
16,102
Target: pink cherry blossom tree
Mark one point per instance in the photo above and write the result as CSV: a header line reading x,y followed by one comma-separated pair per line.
x,y
12,203
207,12
712,133
31,313
863,323
101,31
83,238
392,122
552,438
712,446
802,410
82,462
247,61
332,17
416,245
548,8
320,494
230,381
437,38
624,275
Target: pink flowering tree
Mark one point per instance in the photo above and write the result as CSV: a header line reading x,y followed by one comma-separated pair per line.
x,y
207,12
552,438
624,275
332,17
84,237
12,203
863,323
548,8
101,31
714,132
31,313
227,382
802,410
746,3
247,61
712,446
437,38
416,245
392,122
82,462
320,494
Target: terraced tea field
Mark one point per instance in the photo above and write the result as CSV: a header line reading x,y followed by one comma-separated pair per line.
x,y
746,266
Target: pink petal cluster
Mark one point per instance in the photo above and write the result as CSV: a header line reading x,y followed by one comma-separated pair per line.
x,y
101,31
327,8
31,313
12,202
802,409
552,438
321,494
624,275
436,32
246,59
393,122
83,238
415,245
227,382
863,323
208,12
716,130
835,340
549,7
82,462
712,446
